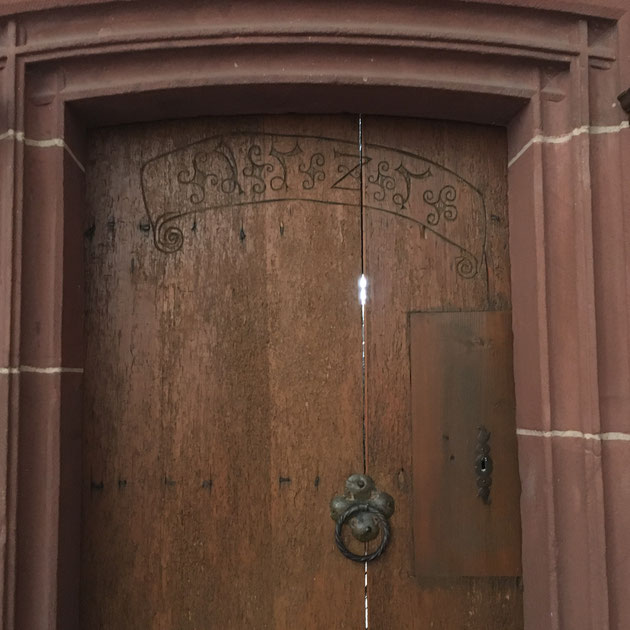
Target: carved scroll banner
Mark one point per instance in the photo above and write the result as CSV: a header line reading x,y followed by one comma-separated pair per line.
x,y
241,169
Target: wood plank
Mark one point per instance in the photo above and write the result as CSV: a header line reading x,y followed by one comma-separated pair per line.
x,y
412,253
461,380
223,402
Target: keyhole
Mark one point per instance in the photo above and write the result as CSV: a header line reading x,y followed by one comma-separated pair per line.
x,y
361,483
483,464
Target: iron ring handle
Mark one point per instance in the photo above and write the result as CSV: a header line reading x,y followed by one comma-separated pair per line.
x,y
347,515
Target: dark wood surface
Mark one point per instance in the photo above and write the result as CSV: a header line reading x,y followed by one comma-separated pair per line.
x,y
412,268
461,380
223,401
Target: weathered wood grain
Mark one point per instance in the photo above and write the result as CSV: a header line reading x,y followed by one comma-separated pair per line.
x,y
223,392
410,267
224,370
461,380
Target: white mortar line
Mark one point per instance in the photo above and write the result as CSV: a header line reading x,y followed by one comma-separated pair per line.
x,y
51,142
10,133
610,128
578,131
610,436
40,370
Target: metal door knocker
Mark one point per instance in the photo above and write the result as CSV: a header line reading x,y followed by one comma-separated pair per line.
x,y
366,510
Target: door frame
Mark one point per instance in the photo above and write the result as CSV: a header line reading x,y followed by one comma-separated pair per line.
x,y
551,83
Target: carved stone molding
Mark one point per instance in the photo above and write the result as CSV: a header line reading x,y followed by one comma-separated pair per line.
x,y
551,77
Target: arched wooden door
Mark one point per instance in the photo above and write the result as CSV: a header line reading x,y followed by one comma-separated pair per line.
x,y
234,380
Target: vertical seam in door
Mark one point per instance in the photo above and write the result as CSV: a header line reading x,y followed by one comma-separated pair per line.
x,y
365,566
362,293
363,299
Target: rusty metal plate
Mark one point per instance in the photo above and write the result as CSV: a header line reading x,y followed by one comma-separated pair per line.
x,y
466,488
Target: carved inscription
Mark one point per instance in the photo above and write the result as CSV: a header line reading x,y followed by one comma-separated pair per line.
x,y
240,169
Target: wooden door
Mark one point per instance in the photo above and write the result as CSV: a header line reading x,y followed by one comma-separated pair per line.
x,y
438,366
233,380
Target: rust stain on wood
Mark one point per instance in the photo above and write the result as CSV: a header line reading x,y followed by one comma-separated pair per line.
x,y
461,380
